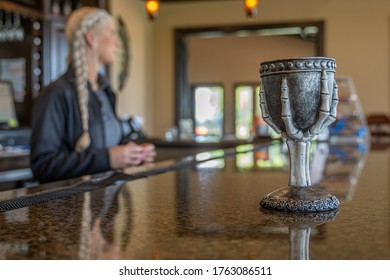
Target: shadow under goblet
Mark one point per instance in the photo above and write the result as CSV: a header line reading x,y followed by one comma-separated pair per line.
x,y
298,99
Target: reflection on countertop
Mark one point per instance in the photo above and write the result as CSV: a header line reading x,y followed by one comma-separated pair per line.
x,y
204,207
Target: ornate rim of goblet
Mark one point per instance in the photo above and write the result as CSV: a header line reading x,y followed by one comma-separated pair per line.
x,y
297,64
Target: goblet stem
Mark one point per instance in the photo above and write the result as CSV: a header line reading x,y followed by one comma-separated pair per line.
x,y
299,163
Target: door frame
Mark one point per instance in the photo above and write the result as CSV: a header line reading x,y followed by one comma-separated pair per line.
x,y
183,100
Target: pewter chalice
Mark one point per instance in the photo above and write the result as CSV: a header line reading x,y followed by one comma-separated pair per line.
x,y
298,99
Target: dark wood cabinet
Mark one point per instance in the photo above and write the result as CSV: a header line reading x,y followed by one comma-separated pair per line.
x,y
55,46
43,49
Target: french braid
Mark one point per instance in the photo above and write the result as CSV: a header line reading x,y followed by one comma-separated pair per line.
x,y
79,23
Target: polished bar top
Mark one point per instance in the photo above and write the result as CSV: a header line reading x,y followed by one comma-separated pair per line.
x,y
205,207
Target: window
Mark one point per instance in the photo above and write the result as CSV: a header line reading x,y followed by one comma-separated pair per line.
x,y
208,112
244,111
248,120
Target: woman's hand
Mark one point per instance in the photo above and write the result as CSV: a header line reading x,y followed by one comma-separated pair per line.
x,y
131,154
149,152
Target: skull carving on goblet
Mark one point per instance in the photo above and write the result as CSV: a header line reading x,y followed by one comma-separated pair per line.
x,y
298,99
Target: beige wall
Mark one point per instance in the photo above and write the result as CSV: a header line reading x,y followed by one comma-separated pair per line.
x,y
232,59
357,36
136,95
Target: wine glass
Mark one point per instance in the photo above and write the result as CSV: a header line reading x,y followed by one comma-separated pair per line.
x,y
3,36
18,28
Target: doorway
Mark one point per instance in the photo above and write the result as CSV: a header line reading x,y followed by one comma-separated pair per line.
x,y
231,55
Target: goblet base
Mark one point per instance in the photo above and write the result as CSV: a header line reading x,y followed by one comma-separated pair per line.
x,y
300,200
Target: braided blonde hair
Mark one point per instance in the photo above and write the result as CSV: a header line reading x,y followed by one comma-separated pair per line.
x,y
79,23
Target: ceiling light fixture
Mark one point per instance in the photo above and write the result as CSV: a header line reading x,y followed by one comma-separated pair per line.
x,y
251,7
152,8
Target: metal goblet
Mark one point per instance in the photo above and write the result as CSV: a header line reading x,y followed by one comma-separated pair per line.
x,y
298,99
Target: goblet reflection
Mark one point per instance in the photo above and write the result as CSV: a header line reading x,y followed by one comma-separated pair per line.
x,y
298,99
300,226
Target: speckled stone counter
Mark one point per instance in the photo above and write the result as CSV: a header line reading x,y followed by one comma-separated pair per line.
x,y
205,207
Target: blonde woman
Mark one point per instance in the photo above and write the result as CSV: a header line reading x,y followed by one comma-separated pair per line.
x,y
75,130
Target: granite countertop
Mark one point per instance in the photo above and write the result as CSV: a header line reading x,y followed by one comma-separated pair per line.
x,y
204,207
